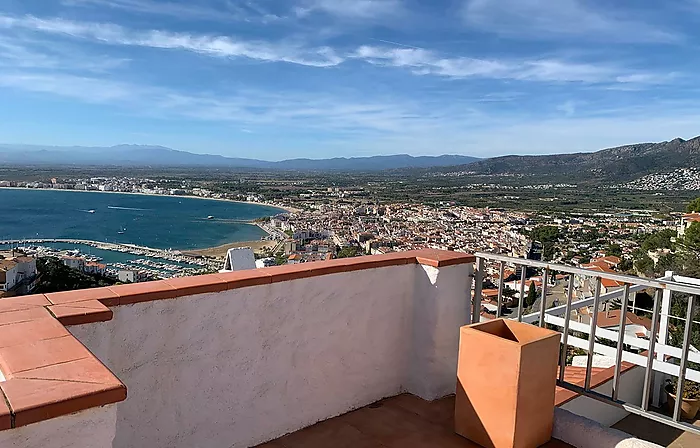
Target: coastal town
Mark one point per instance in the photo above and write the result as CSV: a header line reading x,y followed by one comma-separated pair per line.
x,y
325,223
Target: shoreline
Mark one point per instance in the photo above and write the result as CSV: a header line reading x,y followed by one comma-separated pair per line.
x,y
257,245
285,208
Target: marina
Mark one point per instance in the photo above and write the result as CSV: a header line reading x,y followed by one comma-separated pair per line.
x,y
157,263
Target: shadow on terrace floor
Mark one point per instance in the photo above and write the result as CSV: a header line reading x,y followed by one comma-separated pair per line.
x,y
658,433
404,421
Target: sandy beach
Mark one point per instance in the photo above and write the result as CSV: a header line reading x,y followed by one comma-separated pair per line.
x,y
282,207
220,251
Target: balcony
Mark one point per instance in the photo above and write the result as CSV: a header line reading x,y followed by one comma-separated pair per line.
x,y
351,352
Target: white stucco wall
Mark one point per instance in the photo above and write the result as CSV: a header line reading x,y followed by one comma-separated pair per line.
x,y
631,387
92,428
245,366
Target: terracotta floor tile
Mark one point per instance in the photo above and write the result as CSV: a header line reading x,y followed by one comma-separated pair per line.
x,y
18,358
404,421
105,295
38,400
331,433
386,422
11,317
440,412
29,331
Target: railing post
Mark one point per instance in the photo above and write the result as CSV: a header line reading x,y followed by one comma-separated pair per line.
x,y
684,358
565,334
591,337
664,317
620,343
501,284
523,277
478,286
649,373
543,301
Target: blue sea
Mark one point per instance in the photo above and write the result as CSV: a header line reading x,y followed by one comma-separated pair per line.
x,y
161,222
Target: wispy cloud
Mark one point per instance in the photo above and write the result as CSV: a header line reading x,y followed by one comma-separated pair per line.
x,y
293,111
39,54
425,62
352,9
219,46
547,19
218,11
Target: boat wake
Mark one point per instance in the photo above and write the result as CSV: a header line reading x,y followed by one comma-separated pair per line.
x,y
128,208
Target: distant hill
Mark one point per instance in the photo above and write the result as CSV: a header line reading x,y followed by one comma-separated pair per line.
x,y
621,163
132,155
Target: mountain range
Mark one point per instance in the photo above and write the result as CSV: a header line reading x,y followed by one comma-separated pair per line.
x,y
620,163
140,155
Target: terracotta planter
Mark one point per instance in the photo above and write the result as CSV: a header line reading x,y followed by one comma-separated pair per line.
x,y
689,406
506,380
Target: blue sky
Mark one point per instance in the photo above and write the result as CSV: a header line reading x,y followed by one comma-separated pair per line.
x,y
325,78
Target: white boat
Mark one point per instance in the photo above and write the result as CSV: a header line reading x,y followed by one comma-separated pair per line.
x,y
91,211
210,217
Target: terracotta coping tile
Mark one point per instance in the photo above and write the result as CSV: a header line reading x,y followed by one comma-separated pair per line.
x,y
12,317
599,376
200,284
104,295
46,352
244,279
23,302
5,414
30,331
79,313
33,400
84,370
144,292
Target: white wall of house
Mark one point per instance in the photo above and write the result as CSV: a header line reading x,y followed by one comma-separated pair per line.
x,y
92,428
245,366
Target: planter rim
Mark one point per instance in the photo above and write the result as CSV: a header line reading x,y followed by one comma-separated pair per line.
x,y
666,387
545,333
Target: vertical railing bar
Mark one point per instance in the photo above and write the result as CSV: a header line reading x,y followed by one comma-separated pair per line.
x,y
543,302
591,340
684,359
649,373
565,337
523,277
501,284
478,285
620,342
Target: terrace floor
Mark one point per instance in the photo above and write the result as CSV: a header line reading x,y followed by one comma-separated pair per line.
x,y
404,421
658,433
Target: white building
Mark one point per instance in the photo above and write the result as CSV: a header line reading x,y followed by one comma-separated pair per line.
x,y
8,274
239,259
687,221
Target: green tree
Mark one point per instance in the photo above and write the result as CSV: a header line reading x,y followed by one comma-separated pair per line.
x,y
531,295
348,252
56,277
694,206
692,237
614,250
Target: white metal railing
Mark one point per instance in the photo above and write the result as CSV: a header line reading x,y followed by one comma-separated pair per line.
x,y
659,356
